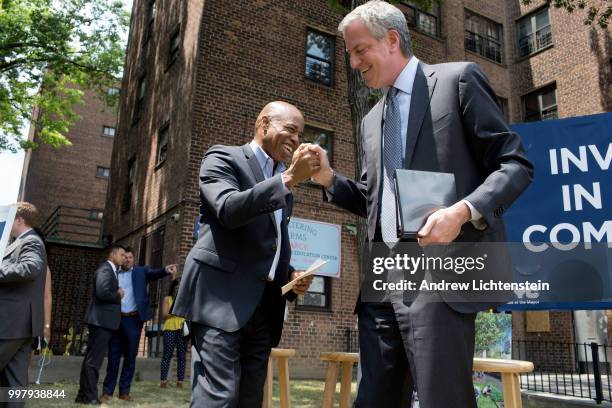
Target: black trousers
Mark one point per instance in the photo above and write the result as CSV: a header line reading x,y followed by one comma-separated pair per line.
x,y
97,347
229,369
425,346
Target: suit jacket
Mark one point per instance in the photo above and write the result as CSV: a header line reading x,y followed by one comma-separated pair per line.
x,y
454,126
141,275
104,309
226,271
22,288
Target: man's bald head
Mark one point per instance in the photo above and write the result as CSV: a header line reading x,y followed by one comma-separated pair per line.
x,y
278,128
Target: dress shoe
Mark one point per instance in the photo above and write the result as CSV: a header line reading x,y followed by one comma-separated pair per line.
x,y
163,384
90,402
125,397
179,384
105,397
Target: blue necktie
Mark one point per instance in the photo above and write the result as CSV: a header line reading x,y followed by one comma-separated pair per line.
x,y
392,160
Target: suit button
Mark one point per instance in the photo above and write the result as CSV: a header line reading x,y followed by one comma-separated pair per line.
x,y
274,247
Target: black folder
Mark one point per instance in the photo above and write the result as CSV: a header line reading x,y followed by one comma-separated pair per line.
x,y
417,195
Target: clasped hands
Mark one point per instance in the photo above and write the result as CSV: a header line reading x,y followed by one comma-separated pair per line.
x,y
309,162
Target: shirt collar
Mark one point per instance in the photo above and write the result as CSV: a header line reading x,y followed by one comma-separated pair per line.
x,y
262,157
112,265
405,80
23,233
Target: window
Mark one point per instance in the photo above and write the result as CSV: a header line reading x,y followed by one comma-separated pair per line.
x,y
534,32
108,131
96,215
503,105
127,195
162,145
173,52
320,57
427,22
318,136
102,172
140,94
112,91
541,104
318,296
483,36
150,19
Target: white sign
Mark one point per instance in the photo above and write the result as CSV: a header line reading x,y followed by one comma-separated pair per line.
x,y
312,240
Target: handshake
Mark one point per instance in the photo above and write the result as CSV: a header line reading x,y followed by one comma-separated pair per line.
x,y
309,161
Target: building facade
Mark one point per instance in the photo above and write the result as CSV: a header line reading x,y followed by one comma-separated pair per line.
x,y
198,72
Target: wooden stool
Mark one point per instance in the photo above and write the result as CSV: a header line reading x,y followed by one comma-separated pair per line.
x,y
509,369
346,361
282,360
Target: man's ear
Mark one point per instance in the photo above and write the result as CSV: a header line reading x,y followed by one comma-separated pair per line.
x,y
264,123
393,39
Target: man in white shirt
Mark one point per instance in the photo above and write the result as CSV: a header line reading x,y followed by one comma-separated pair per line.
x,y
439,118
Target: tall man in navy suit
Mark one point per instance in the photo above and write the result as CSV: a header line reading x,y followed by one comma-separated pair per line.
x,y
439,118
135,310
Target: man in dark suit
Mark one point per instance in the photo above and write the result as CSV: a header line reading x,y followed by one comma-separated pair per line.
x,y
22,283
135,310
231,287
103,316
440,118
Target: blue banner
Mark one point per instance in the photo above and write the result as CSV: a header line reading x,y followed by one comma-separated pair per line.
x,y
565,216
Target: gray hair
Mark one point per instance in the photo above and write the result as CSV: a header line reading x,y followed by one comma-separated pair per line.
x,y
379,17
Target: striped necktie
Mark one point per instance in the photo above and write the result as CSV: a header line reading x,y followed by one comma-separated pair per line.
x,y
392,160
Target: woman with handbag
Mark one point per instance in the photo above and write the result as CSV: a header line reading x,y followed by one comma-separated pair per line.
x,y
174,337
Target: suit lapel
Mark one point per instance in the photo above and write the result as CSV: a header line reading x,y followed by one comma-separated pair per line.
x,y
11,248
374,141
15,244
258,175
422,90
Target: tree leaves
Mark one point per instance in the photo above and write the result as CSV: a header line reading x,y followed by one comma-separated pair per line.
x,y
49,51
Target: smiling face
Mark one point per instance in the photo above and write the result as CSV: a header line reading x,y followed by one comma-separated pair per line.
x,y
128,261
278,130
379,60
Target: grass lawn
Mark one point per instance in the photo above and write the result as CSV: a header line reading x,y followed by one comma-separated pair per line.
x,y
304,394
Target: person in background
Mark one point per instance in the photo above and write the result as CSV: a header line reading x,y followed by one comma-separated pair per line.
x,y
135,310
22,282
103,317
173,338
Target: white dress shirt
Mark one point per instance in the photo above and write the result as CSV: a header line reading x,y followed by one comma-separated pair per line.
x,y
404,84
267,166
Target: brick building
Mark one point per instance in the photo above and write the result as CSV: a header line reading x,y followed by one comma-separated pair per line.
x,y
68,186
77,175
198,72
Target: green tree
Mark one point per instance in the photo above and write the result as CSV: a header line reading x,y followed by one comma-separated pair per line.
x,y
490,329
50,51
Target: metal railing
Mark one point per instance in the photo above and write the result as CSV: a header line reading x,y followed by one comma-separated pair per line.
x,y
352,340
74,224
571,369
